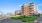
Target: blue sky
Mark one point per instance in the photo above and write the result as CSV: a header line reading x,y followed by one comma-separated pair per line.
x,y
13,5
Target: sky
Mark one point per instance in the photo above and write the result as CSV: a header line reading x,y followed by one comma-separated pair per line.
x,y
7,6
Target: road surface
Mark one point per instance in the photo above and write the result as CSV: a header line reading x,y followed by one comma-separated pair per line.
x,y
8,20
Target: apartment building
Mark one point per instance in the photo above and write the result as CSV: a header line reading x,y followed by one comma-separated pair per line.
x,y
29,9
18,12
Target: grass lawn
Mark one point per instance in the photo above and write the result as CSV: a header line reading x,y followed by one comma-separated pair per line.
x,y
25,19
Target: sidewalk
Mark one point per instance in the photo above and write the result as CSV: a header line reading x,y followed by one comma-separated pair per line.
x,y
37,20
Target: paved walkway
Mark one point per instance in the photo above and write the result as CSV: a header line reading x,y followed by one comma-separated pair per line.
x,y
39,20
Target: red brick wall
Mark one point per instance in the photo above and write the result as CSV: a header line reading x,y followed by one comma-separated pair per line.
x,y
27,10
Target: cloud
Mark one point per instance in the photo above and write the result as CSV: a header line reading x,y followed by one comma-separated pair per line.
x,y
39,11
20,5
39,5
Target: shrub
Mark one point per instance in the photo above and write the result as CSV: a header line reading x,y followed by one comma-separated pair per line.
x,y
25,18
